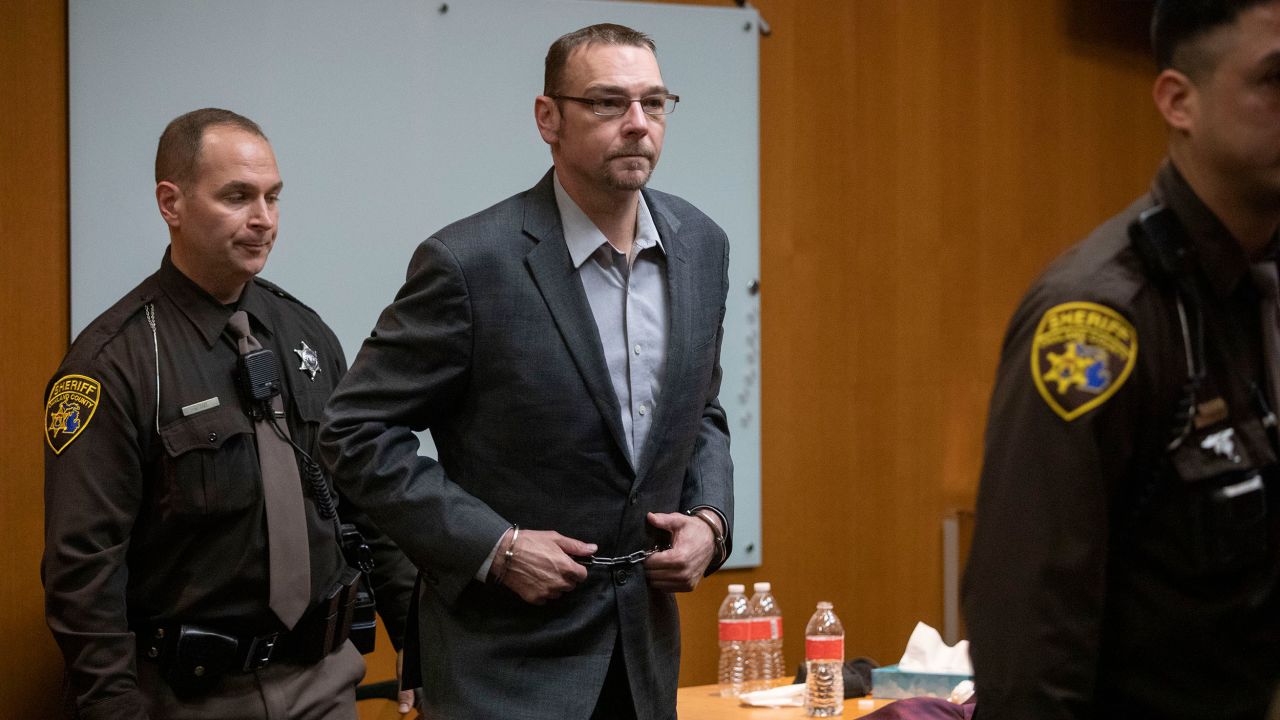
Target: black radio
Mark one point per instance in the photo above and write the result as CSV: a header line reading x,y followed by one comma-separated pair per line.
x,y
258,377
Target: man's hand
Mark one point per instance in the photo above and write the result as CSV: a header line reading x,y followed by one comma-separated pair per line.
x,y
692,547
542,567
406,700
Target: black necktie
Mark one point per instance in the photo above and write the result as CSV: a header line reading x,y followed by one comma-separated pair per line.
x,y
288,557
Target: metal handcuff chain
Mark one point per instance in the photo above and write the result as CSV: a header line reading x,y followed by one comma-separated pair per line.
x,y
634,558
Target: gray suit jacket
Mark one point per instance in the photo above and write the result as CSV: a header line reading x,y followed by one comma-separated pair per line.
x,y
492,346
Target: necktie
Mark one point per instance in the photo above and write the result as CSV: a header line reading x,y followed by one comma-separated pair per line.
x,y
1268,285
288,557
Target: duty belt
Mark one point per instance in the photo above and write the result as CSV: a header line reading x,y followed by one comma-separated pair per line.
x,y
193,657
211,651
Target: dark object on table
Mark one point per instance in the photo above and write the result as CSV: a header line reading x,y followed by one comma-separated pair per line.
x,y
857,676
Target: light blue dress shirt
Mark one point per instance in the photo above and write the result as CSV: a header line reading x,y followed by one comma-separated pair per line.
x,y
628,297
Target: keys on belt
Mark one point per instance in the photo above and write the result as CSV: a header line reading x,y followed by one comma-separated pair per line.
x,y
633,559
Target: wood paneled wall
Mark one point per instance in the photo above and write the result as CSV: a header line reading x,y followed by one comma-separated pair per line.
x,y
34,322
921,161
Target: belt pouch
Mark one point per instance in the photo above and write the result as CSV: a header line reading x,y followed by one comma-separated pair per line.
x,y
350,583
310,639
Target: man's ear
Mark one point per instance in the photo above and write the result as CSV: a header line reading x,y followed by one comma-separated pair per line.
x,y
547,114
1177,99
169,200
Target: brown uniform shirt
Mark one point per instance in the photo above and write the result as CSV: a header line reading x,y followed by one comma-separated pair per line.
x,y
1110,577
155,526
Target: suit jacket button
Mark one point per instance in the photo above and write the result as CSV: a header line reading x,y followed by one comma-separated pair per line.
x,y
622,576
634,499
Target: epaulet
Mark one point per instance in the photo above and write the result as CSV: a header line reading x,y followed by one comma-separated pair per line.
x,y
112,322
282,293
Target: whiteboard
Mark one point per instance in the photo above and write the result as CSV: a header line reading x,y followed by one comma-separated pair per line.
x,y
390,120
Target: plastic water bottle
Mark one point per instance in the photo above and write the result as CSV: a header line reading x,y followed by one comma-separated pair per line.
x,y
766,637
824,660
735,631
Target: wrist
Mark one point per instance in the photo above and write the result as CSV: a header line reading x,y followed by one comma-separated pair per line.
x,y
717,532
502,561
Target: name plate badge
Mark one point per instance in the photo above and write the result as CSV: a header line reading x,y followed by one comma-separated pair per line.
x,y
201,406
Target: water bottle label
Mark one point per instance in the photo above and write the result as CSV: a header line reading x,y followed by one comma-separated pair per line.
x,y
824,648
731,630
769,628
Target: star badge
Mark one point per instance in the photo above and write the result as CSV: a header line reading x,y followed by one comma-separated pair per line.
x,y
310,360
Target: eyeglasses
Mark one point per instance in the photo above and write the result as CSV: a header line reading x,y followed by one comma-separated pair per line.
x,y
614,105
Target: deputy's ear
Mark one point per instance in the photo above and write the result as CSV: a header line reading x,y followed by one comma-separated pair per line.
x,y
169,200
1176,98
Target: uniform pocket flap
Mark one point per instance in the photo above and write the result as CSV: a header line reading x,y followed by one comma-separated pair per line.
x,y
310,404
204,431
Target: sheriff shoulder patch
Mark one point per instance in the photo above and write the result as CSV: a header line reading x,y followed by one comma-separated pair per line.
x,y
1081,354
72,401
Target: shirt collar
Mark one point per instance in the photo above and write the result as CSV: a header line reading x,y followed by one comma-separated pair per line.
x,y
1220,255
202,310
584,238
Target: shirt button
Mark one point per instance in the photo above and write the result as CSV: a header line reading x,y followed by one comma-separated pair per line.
x,y
621,576
637,349
643,409
213,437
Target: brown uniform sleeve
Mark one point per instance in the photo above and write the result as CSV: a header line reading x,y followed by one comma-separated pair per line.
x,y
1034,587
93,488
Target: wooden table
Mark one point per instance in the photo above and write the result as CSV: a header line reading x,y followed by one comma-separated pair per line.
x,y
699,702
703,702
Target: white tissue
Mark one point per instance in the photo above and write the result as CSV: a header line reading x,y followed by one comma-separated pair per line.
x,y
961,693
926,652
784,696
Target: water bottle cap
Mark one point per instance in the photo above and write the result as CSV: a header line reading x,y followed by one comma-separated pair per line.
x,y
737,588
824,605
762,587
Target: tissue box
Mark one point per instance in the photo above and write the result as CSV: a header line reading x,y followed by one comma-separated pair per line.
x,y
890,682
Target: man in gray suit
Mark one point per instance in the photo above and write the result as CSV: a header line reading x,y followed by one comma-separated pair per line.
x,y
563,348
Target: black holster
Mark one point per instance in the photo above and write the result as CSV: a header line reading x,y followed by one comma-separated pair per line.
x,y
364,620
195,661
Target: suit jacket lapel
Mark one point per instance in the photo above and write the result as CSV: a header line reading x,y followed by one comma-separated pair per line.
x,y
553,272
679,287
